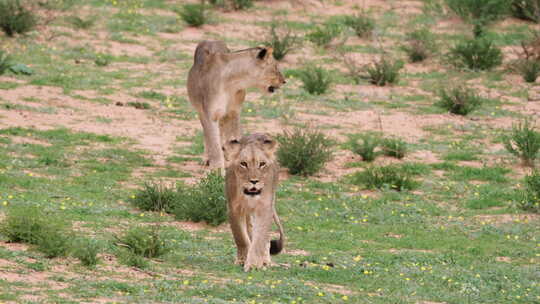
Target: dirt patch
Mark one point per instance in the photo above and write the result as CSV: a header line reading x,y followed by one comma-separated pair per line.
x,y
507,218
297,252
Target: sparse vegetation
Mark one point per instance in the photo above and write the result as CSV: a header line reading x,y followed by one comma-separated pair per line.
x,y
323,34
384,71
242,4
392,177
361,24
476,54
304,151
394,147
155,197
365,145
86,250
419,45
316,79
282,41
530,200
459,100
480,13
30,224
5,62
523,141
15,18
528,69
80,23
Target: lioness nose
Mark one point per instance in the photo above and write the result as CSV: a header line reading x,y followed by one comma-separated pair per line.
x,y
254,181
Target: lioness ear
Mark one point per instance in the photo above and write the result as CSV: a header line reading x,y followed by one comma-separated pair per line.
x,y
231,149
265,53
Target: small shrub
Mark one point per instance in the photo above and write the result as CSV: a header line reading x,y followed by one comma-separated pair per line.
x,y
528,69
15,18
394,147
523,142
304,152
194,14
102,60
361,24
526,10
322,35
242,4
384,71
154,197
281,42
139,105
530,198
86,250
459,100
204,201
5,62
479,13
147,242
365,145
131,259
29,224
475,54
387,177
419,45
80,23
316,80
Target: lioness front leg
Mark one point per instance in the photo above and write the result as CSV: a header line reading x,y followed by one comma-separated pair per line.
x,y
257,256
241,237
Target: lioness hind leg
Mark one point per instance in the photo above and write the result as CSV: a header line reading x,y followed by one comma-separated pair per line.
x,y
213,143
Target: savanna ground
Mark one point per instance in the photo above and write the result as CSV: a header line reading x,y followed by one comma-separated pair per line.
x,y
70,143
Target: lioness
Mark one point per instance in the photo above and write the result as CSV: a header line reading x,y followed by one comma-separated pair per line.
x,y
250,186
217,84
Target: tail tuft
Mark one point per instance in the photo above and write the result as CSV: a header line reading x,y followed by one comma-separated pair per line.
x,y
276,246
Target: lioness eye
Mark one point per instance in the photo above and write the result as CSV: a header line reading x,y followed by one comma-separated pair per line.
x,y
262,164
243,164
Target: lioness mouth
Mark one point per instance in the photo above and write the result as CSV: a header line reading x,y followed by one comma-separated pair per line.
x,y
271,89
252,191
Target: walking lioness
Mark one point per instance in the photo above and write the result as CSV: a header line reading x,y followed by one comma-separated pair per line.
x,y
250,186
217,84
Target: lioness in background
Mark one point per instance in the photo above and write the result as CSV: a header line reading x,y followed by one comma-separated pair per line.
x,y
217,84
250,186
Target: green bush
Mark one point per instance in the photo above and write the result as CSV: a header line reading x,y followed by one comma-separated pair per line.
x,y
131,259
526,10
86,250
204,201
194,14
361,24
393,177
475,54
383,72
15,18
102,59
394,147
304,151
5,62
459,100
479,13
147,241
419,45
155,197
365,145
524,142
281,42
32,225
316,80
323,34
530,199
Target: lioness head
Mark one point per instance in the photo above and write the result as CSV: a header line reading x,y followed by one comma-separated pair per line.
x,y
267,73
251,160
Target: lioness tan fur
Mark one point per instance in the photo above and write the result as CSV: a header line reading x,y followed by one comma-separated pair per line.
x,y
217,84
251,181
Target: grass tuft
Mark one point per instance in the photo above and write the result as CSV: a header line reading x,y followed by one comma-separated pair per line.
x,y
459,100
146,242
479,13
323,34
316,80
530,200
304,151
365,145
383,72
419,45
5,62
526,10
281,41
155,197
194,14
394,147
393,177
361,24
86,250
524,142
